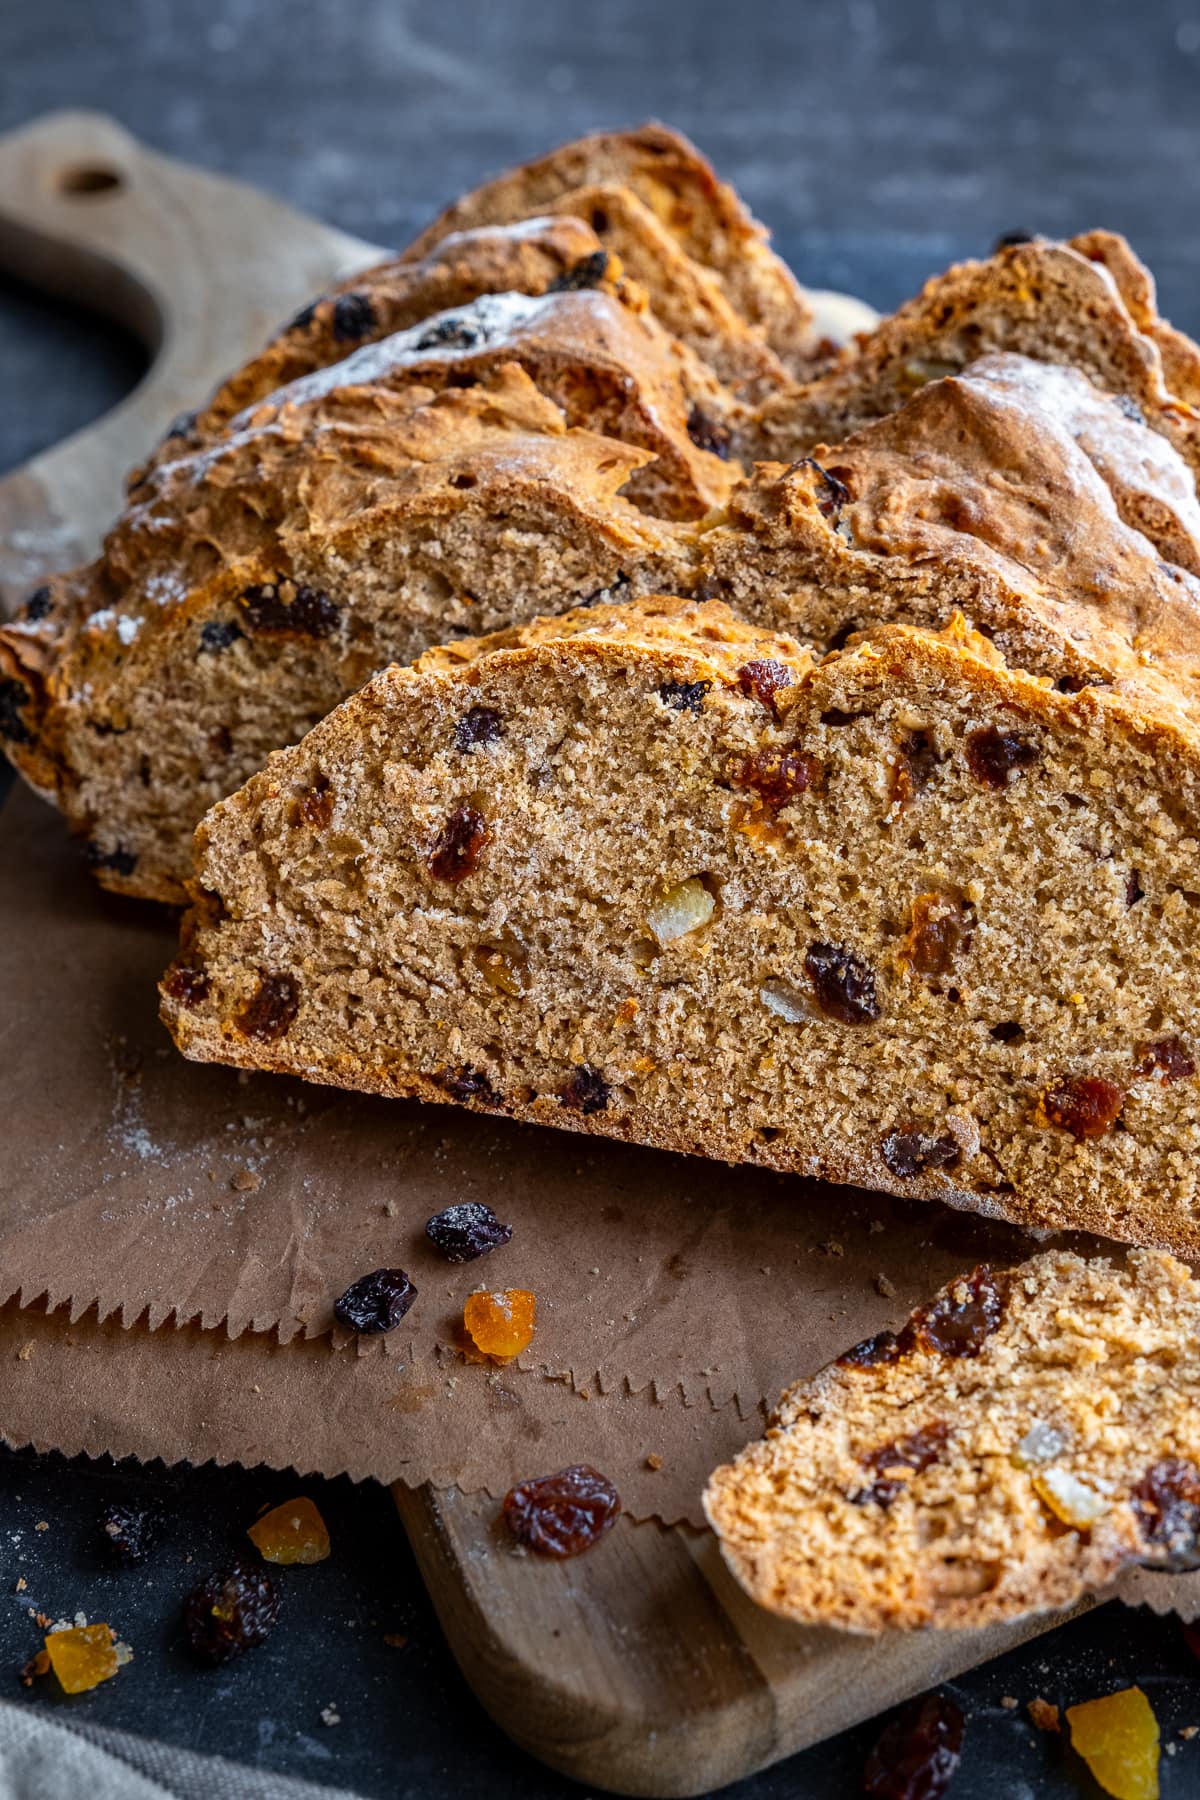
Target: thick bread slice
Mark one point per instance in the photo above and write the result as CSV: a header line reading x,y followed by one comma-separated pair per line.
x,y
673,179
1027,1435
1044,300
904,917
257,583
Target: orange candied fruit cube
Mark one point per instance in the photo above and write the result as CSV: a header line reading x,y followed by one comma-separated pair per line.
x,y
82,1656
500,1324
1117,1737
292,1533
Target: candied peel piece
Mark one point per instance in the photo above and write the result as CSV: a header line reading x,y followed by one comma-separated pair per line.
x,y
1070,1498
1117,1737
292,1533
82,1656
501,1323
682,909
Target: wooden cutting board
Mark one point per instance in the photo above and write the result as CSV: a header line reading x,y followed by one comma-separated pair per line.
x,y
640,1668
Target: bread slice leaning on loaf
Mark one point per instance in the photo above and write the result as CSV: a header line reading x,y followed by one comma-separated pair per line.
x,y
1026,1436
900,916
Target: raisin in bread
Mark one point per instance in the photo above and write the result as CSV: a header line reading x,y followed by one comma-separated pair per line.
x,y
902,916
255,584
1025,1437
669,175
1050,301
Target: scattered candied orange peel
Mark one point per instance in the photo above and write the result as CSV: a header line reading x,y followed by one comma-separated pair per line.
x,y
1117,1737
292,1533
82,1656
500,1324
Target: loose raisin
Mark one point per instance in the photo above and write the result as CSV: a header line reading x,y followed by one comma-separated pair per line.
x,y
466,1231
353,317
684,696
467,1083
762,680
917,1753
778,774
831,493
229,1612
874,1352
708,433
843,983
459,846
14,697
218,634
481,725
186,984
39,605
452,334
562,1514
1168,1059
284,606
375,1302
119,860
272,1007
918,1451
964,1315
992,756
586,1091
916,762
1085,1105
588,272
910,1152
1166,1504
129,1532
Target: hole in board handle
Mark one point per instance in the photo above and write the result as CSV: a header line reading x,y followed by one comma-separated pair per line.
x,y
86,179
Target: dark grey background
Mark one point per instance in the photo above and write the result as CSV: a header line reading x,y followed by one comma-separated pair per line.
x,y
880,139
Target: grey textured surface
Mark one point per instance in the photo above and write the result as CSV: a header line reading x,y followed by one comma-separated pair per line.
x,y
880,139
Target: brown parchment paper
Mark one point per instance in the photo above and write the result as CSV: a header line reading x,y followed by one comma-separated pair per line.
x,y
172,1237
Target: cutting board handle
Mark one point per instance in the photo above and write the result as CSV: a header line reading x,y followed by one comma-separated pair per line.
x,y
200,267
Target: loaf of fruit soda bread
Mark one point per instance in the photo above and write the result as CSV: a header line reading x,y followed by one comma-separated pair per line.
x,y
1026,1436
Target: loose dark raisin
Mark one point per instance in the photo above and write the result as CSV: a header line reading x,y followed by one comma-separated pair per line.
x,y
14,697
843,983
1085,1105
586,1091
353,317
376,1302
481,725
918,1451
832,492
129,1532
993,756
778,774
588,272
39,604
1007,1031
562,1514
229,1612
452,334
466,1231
1125,403
874,1352
910,1152
917,1752
460,844
1166,1504
119,860
1169,1057
708,433
964,1315
684,696
763,679
218,634
187,985
284,606
916,762
271,1009
467,1083
1134,891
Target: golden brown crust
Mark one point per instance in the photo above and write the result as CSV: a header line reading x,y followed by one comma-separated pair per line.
x,y
1022,1439
669,175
